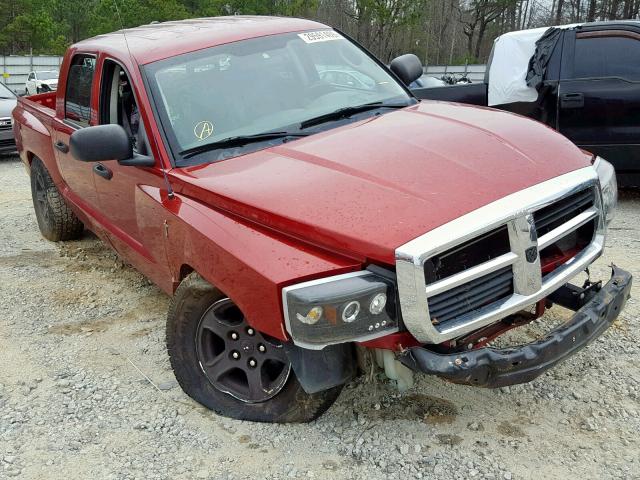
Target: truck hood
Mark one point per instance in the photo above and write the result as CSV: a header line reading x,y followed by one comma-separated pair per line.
x,y
6,106
368,187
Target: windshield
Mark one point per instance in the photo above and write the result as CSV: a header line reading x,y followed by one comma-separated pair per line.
x,y
5,92
47,75
266,84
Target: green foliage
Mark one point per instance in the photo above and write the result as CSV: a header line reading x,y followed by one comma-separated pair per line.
x,y
436,30
51,26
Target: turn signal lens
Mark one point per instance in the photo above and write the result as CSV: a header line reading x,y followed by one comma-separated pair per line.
x,y
608,186
312,317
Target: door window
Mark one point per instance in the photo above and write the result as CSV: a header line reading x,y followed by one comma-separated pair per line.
x,y
607,56
118,105
31,76
77,105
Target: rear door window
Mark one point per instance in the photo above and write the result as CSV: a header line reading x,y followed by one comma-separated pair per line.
x,y
77,105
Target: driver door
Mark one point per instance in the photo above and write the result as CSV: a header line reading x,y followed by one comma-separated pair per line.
x,y
131,197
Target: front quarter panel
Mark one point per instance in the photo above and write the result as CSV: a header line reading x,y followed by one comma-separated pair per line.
x,y
248,263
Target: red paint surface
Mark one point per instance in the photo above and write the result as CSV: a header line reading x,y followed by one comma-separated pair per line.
x,y
322,205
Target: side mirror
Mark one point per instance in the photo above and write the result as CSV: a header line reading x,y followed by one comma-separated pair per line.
x,y
100,143
407,67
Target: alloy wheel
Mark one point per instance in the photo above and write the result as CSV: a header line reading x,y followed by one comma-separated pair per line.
x,y
236,358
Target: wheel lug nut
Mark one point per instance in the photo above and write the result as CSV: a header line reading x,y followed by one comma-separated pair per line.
x,y
252,363
235,355
234,336
250,331
262,348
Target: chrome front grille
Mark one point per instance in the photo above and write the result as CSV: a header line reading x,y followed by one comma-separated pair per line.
x,y
486,265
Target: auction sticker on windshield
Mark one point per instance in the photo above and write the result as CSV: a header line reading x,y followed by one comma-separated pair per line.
x,y
320,36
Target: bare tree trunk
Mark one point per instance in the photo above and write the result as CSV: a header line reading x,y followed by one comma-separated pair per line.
x,y
558,19
613,13
481,30
453,42
524,16
591,13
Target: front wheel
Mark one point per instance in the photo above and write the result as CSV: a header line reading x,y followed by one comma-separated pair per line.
x,y
223,363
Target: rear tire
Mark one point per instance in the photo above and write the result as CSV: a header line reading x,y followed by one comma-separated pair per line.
x,y
283,401
56,220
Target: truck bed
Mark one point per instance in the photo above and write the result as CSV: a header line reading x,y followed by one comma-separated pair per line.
x,y
47,100
471,93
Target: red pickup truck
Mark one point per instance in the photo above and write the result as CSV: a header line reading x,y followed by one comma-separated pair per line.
x,y
299,218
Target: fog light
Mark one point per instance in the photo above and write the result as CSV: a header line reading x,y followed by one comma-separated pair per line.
x,y
351,311
378,303
312,317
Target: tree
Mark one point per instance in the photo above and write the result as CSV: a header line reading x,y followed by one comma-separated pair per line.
x,y
433,29
476,17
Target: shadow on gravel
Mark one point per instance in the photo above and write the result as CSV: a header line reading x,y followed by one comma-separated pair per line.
x,y
417,406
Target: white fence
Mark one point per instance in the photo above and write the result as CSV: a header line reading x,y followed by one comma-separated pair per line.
x,y
15,68
475,73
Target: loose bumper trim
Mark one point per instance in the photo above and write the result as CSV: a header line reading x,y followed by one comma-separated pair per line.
x,y
489,367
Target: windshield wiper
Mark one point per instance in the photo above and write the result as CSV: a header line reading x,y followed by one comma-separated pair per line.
x,y
347,112
239,141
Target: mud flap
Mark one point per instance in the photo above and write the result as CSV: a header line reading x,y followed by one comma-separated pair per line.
x,y
319,370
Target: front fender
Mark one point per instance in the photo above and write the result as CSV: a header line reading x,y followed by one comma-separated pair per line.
x,y
249,263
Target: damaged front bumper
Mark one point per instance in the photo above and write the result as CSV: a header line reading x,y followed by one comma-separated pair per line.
x,y
489,367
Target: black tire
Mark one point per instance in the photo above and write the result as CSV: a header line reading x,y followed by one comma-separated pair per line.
x,y
291,404
26,92
56,220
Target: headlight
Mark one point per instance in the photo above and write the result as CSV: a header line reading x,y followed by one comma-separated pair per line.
x,y
609,187
344,308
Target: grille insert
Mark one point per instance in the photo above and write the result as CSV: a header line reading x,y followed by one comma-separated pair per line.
x,y
554,215
471,296
467,255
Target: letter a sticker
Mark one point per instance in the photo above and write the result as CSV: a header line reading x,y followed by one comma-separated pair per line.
x,y
203,130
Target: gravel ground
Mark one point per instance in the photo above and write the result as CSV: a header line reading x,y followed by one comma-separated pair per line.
x,y
86,390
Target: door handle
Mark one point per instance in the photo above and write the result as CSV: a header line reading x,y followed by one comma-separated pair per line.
x,y
104,172
63,147
572,100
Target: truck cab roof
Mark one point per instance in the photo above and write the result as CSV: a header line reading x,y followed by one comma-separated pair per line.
x,y
590,25
156,41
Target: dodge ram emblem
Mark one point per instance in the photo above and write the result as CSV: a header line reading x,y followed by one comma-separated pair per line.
x,y
531,254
